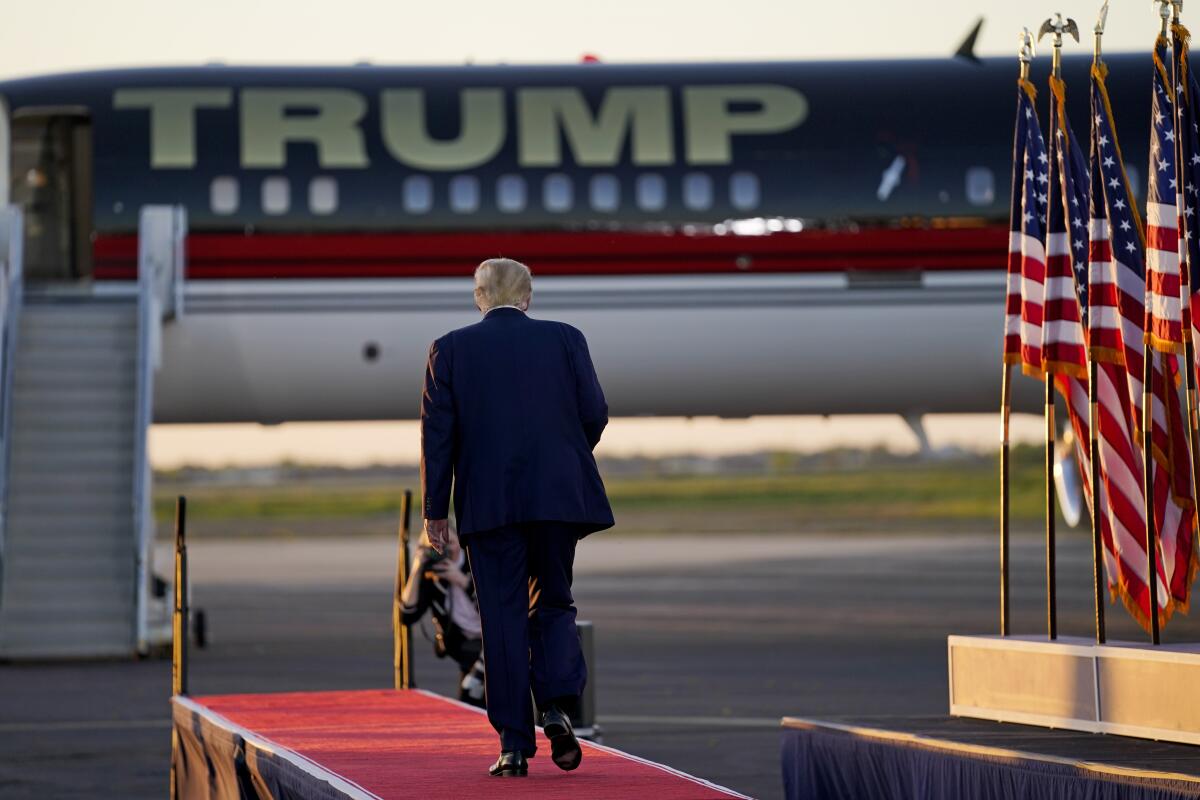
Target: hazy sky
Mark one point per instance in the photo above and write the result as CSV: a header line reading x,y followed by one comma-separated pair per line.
x,y
58,34
54,35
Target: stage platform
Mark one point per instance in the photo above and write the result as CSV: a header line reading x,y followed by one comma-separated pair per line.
x,y
946,758
383,744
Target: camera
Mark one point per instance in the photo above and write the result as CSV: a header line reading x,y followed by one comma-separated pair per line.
x,y
429,556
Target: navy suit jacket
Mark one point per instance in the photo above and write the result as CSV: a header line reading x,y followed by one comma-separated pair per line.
x,y
511,411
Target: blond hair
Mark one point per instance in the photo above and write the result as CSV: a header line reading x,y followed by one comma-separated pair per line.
x,y
502,282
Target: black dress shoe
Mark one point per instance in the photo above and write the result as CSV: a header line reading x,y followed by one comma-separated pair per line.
x,y
564,747
510,764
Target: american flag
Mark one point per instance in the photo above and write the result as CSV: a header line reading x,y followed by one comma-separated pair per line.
x,y
1027,251
1179,554
1022,184
1164,311
1188,186
1116,277
1063,346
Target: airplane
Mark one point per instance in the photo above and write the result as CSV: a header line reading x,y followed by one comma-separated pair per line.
x,y
734,239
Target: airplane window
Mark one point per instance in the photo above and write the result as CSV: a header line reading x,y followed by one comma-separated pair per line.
x,y
697,191
605,192
322,195
276,195
981,186
557,192
510,193
417,191
464,194
651,192
223,195
743,190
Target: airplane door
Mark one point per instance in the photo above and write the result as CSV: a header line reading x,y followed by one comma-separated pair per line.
x,y
51,179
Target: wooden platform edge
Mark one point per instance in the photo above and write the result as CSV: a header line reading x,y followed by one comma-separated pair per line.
x,y
986,751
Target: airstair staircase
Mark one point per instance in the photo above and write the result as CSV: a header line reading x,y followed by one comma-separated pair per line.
x,y
76,389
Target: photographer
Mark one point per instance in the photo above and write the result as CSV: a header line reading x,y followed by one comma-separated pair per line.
x,y
442,582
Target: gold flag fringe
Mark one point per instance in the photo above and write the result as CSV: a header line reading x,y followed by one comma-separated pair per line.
x,y
1164,346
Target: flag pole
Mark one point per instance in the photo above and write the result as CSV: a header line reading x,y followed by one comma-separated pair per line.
x,y
1005,412
1051,599
1164,13
1025,56
1094,427
1056,26
1185,278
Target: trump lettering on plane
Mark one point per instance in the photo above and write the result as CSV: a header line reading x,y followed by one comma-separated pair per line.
x,y
541,118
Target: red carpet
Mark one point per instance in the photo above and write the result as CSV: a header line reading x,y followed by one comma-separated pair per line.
x,y
388,744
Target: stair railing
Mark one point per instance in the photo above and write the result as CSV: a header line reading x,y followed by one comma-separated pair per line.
x,y
11,296
162,231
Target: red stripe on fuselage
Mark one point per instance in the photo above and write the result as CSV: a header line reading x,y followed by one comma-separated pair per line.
x,y
444,254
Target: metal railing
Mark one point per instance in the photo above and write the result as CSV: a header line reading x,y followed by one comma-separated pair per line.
x,y
11,296
161,234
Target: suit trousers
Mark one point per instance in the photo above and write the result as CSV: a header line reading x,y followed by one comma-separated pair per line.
x,y
523,575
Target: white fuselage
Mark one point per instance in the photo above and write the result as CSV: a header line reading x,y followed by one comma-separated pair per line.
x,y
726,345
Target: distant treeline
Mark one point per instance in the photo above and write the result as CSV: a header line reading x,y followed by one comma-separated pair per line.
x,y
766,462
835,491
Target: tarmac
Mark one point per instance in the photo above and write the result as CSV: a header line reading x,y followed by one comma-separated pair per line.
x,y
702,644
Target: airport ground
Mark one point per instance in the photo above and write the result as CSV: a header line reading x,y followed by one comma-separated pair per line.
x,y
703,640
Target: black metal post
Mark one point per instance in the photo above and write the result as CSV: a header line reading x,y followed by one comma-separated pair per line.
x,y
402,664
1005,413
179,627
1051,579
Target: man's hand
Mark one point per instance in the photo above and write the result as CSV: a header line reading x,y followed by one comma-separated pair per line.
x,y
438,531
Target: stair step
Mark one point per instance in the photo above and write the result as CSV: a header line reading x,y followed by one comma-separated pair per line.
x,y
34,447
55,604
54,573
34,460
95,359
79,314
46,612
60,639
67,378
50,416
31,504
51,337
67,333
71,485
50,639
99,398
23,505
82,542
82,436
33,469
70,576
66,525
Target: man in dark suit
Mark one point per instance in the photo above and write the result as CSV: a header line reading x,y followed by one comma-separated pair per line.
x,y
510,412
